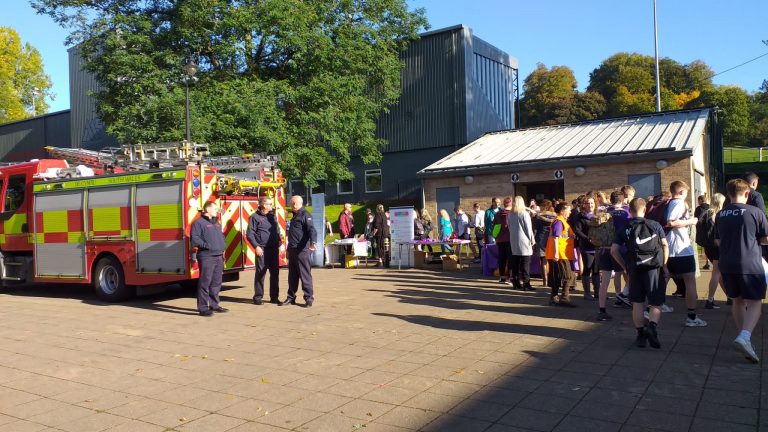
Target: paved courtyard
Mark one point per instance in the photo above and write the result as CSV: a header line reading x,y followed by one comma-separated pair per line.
x,y
381,350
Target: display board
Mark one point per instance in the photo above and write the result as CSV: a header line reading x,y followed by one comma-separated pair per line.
x,y
318,221
401,229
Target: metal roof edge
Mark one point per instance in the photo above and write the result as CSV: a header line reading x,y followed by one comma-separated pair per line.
x,y
550,163
443,30
37,117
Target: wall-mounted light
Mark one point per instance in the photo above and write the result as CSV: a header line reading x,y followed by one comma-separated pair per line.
x,y
579,171
469,179
661,164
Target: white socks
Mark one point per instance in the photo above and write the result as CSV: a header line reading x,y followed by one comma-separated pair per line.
x,y
745,335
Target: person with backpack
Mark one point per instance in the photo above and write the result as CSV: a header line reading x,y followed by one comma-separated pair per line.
x,y
541,227
609,268
490,214
646,254
501,234
705,237
682,262
740,230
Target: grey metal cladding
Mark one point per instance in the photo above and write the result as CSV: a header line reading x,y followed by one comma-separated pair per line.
x,y
110,197
430,112
25,139
87,129
158,193
69,200
161,256
60,259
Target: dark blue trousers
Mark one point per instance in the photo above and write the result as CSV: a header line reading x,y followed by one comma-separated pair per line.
x,y
270,261
300,268
209,284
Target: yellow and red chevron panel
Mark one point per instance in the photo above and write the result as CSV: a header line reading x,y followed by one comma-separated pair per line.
x,y
59,226
280,214
231,222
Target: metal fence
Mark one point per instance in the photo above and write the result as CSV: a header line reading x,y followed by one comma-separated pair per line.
x,y
740,154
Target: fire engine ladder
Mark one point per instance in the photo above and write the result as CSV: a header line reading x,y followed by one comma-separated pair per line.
x,y
163,155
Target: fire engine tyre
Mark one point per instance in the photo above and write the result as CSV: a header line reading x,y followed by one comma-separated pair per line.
x,y
109,280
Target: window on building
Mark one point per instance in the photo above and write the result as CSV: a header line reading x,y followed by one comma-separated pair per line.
x,y
645,184
14,195
344,187
373,180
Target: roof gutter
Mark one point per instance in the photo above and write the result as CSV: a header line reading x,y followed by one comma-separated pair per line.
x,y
560,163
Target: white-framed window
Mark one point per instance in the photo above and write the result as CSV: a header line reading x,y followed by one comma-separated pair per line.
x,y
344,187
372,181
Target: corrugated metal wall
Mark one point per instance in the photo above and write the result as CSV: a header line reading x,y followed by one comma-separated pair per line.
x,y
87,130
25,139
431,109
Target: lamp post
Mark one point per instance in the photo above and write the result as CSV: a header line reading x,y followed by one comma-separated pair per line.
x,y
35,93
190,69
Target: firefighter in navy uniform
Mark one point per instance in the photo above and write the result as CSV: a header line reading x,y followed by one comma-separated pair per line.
x,y
208,238
302,240
264,236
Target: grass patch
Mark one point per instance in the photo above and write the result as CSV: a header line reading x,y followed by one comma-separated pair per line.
x,y
735,155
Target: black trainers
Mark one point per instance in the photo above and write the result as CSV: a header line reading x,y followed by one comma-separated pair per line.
x,y
603,316
620,304
710,304
641,340
652,336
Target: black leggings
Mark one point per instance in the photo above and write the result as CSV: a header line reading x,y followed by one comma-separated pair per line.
x,y
590,273
505,252
520,270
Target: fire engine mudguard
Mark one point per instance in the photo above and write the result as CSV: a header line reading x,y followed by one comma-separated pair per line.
x,y
109,280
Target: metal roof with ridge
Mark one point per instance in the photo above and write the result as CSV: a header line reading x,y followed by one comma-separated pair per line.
x,y
663,134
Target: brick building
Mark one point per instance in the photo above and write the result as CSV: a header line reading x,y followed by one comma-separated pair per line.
x,y
564,161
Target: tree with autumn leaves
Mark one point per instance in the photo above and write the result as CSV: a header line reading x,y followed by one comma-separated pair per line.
x,y
624,84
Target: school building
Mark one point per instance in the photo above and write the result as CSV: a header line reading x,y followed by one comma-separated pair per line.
x,y
564,161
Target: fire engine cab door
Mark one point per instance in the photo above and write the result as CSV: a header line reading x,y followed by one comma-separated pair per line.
x,y
59,236
160,247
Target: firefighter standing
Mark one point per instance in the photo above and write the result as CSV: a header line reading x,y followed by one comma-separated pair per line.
x,y
302,239
208,238
264,236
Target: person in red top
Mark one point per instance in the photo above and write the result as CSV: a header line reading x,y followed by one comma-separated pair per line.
x,y
501,234
347,225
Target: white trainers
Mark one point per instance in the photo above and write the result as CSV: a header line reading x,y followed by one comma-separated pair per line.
x,y
667,309
743,346
647,315
698,322
624,299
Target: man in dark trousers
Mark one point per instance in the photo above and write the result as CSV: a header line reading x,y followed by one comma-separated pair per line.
x,y
263,235
208,238
302,241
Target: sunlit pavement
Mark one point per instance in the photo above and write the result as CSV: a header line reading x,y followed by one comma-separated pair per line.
x,y
380,350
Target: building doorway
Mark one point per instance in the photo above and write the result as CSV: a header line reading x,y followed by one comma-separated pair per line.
x,y
550,190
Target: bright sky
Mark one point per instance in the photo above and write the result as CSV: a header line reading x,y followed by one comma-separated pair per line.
x,y
578,34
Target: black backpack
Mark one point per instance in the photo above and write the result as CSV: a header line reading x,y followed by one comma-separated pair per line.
x,y
643,246
705,231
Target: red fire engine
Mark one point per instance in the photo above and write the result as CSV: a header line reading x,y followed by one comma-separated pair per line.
x,y
120,218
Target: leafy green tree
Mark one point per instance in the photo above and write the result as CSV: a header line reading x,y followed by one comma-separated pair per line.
x,y
23,82
303,78
550,97
758,113
734,104
628,84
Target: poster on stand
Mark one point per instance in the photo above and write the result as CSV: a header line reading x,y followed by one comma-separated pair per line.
x,y
401,229
318,221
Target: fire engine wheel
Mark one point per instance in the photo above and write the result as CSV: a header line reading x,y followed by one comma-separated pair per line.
x,y
109,280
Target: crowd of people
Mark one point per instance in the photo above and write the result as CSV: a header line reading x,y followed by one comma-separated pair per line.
x,y
639,244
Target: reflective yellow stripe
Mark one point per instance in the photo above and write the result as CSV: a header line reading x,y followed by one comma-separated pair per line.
x,y
165,216
14,224
75,237
40,238
106,219
55,221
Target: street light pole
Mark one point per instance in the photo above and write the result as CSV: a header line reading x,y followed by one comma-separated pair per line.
x,y
656,43
190,69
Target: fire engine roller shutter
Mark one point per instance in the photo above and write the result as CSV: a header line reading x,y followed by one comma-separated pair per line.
x,y
109,213
160,238
59,236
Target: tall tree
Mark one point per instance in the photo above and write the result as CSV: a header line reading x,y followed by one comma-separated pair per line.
x,y
758,113
550,97
734,104
304,78
23,82
626,81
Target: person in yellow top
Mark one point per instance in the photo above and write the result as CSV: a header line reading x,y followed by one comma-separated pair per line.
x,y
559,254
